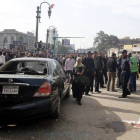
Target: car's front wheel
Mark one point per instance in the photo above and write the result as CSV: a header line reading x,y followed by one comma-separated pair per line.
x,y
56,113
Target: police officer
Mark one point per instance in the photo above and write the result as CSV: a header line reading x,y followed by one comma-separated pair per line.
x,y
90,71
125,73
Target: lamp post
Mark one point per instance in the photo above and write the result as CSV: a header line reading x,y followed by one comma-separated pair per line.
x,y
39,16
48,30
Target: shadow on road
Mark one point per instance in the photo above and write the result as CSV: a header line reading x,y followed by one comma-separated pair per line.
x,y
91,121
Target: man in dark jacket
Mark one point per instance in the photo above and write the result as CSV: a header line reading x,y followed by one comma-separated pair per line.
x,y
111,68
103,68
90,71
98,70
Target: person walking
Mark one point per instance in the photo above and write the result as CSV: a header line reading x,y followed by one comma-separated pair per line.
x,y
69,65
89,72
98,70
125,73
111,68
77,87
133,73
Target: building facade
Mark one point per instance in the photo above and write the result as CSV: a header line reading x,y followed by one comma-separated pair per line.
x,y
9,36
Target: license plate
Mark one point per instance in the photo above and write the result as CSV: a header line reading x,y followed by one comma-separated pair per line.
x,y
10,90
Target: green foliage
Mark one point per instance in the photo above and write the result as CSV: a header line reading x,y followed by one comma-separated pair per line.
x,y
102,42
62,49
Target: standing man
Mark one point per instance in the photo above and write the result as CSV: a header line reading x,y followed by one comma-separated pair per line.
x,y
111,68
2,59
125,74
90,71
69,65
133,74
101,74
105,69
98,71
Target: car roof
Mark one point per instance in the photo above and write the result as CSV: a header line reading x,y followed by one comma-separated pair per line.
x,y
31,59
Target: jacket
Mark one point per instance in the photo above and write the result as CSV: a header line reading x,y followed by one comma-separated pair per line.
x,y
134,67
112,65
98,63
90,67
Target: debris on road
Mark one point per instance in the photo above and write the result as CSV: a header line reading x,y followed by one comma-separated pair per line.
x,y
136,124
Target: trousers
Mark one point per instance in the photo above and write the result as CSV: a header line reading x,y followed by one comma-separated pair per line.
x,y
97,80
124,81
90,87
132,81
111,79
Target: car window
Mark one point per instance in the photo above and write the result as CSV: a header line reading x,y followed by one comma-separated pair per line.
x,y
38,66
55,68
61,71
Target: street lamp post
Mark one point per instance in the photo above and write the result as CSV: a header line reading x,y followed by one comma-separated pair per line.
x,y
39,16
48,30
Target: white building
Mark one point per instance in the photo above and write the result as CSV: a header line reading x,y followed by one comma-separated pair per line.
x,y
8,36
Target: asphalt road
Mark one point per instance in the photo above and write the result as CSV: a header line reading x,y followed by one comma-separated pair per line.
x,y
99,118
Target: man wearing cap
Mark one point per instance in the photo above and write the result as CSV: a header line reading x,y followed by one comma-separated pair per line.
x,y
90,71
111,68
125,74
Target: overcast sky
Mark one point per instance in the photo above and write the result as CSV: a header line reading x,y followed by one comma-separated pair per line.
x,y
74,18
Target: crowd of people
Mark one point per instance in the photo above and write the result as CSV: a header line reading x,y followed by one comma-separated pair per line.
x,y
102,70
99,69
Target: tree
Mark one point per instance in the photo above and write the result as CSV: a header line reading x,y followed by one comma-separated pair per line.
x,y
102,42
63,49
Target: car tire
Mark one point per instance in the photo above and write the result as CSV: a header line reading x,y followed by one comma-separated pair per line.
x,y
56,113
68,92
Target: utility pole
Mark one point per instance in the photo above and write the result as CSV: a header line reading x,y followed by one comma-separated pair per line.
x,y
38,16
37,22
47,39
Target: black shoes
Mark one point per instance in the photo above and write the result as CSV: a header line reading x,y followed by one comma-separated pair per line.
x,y
79,103
102,87
87,94
122,97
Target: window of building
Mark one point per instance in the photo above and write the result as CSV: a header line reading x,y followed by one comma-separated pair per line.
x,y
5,39
12,39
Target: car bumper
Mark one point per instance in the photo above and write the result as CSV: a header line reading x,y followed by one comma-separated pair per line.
x,y
27,111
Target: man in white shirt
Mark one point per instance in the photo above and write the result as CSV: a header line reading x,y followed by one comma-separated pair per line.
x,y
69,65
2,59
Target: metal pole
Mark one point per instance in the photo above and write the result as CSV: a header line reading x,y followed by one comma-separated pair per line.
x,y
47,39
37,20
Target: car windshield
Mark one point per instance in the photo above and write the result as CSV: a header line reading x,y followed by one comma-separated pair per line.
x,y
25,67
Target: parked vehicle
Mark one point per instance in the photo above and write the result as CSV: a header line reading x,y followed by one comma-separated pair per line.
x,y
31,87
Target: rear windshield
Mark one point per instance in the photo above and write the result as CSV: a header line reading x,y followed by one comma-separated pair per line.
x,y
25,67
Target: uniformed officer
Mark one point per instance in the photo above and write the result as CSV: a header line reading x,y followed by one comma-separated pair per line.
x,y
125,73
